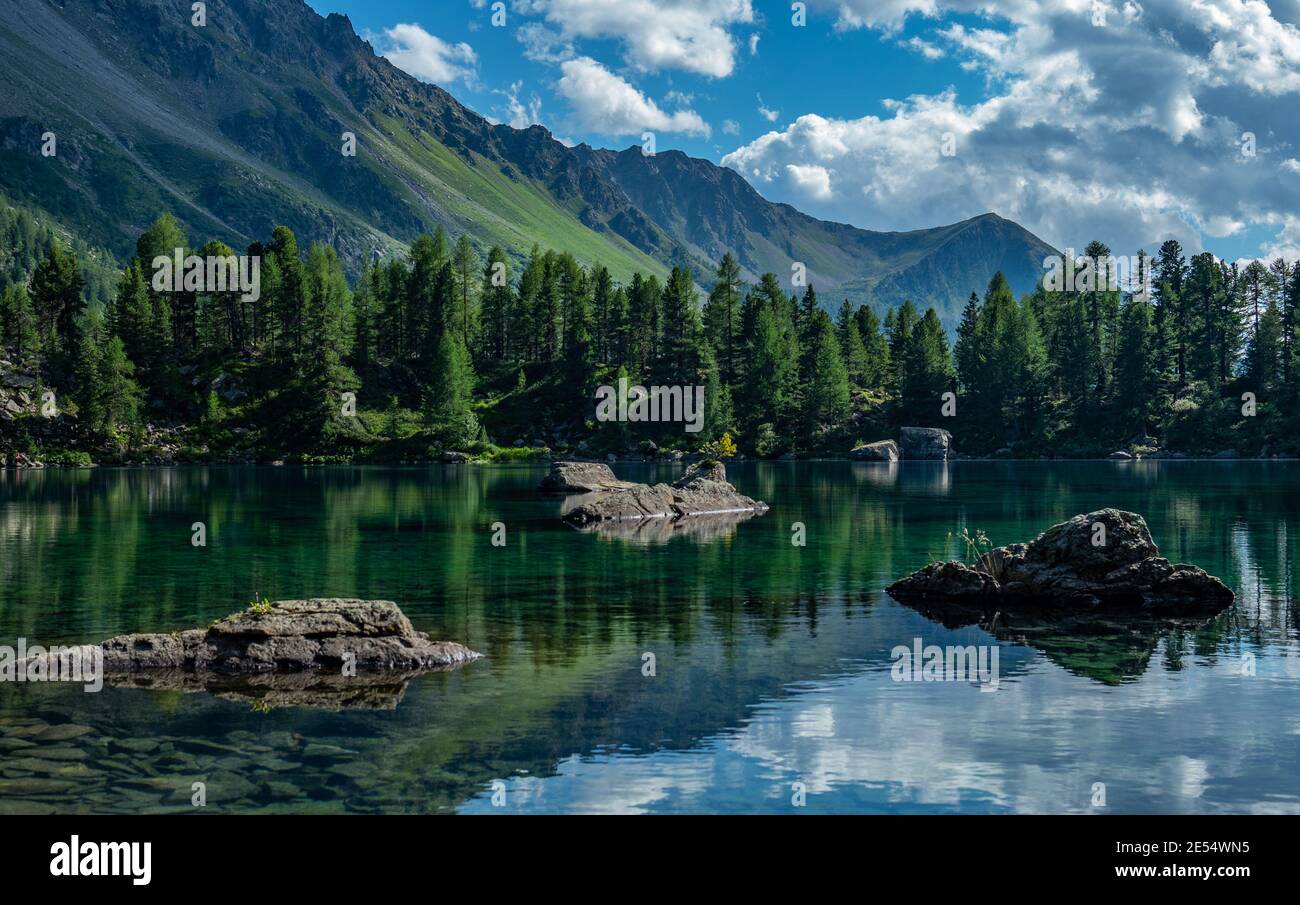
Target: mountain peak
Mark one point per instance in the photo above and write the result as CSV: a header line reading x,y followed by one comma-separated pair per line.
x,y
268,92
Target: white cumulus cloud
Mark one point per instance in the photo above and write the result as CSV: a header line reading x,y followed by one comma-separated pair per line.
x,y
691,35
426,56
1130,132
606,103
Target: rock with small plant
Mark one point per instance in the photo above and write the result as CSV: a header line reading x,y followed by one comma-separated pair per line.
x,y
1104,559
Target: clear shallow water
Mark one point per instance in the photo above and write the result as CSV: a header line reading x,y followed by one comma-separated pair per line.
x,y
773,661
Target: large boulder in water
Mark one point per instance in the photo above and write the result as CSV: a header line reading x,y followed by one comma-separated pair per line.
x,y
1103,559
924,443
880,451
290,636
702,490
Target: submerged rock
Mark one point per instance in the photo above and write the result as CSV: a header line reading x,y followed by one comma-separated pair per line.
x,y
290,636
653,531
318,689
702,490
1103,559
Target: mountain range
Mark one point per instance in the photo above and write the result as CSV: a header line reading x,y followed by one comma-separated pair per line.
x,y
238,125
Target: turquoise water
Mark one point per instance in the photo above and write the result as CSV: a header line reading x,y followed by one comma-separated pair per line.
x,y
772,662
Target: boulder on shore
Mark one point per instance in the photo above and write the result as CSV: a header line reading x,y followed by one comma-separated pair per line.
x,y
925,443
702,490
880,451
1100,560
290,636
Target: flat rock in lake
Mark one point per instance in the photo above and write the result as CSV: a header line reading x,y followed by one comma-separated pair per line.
x,y
291,636
1105,559
702,490
581,477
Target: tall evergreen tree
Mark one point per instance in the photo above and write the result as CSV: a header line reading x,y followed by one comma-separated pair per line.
x,y
448,401
681,349
877,349
722,317
56,296
926,371
19,322
852,349
826,394
497,299
466,263
320,375
1173,312
1136,377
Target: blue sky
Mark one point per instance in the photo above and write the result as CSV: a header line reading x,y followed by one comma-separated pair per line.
x,y
1113,119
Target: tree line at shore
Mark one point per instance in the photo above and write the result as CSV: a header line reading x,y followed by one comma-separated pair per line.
x,y
454,350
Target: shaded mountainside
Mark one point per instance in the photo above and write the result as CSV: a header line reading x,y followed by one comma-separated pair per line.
x,y
236,127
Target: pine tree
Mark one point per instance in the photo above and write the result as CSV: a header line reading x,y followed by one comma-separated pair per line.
x,y
770,396
826,393
719,411
467,263
852,349
644,298
448,401
219,313
575,304
1264,354
393,341
19,322
967,354
497,299
320,375
366,304
579,335
430,291
1136,377
119,396
523,326
877,349
722,317
804,317
1213,296
1103,301
1172,310
164,239
682,342
620,328
900,326
549,310
1028,355
85,373
602,305
926,372
56,296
